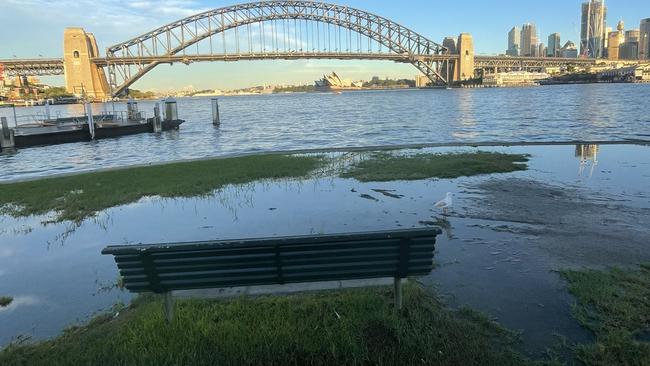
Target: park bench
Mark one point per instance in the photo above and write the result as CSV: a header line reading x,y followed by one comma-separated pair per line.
x,y
163,268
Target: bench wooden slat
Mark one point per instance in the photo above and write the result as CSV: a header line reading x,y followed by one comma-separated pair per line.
x,y
269,250
226,263
300,240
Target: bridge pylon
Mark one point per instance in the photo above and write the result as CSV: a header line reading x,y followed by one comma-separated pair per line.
x,y
465,67
83,77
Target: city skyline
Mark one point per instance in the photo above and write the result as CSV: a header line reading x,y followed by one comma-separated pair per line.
x,y
124,20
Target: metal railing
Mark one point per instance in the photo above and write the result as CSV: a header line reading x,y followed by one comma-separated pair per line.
x,y
42,120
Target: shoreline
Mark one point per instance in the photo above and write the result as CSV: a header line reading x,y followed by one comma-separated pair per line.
x,y
541,83
336,150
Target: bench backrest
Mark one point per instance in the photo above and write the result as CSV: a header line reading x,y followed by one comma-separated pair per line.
x,y
165,267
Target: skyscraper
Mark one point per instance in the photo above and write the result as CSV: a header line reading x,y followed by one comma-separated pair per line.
x,y
594,19
644,39
554,45
514,42
614,41
633,35
528,40
629,50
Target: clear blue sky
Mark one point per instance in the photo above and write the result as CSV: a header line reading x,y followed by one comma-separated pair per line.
x,y
35,27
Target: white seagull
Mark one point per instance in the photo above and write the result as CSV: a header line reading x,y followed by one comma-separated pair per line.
x,y
446,204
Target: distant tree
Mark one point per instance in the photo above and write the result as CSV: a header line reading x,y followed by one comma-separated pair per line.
x,y
55,92
295,89
138,94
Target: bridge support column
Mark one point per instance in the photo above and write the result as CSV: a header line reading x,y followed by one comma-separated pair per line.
x,y
82,77
171,110
465,67
7,135
157,120
216,119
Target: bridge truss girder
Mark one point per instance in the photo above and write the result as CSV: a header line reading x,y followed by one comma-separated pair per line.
x,y
166,43
527,63
32,67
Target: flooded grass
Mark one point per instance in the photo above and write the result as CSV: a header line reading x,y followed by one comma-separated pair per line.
x,y
350,327
5,301
383,167
80,196
615,305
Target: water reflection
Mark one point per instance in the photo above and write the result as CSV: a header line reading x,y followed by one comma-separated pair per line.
x,y
466,115
588,156
19,302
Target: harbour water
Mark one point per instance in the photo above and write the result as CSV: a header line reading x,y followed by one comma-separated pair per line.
x,y
492,244
305,121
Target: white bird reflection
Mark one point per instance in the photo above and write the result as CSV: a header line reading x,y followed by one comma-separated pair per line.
x,y
588,155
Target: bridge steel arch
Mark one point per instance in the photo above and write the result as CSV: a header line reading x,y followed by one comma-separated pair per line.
x,y
169,43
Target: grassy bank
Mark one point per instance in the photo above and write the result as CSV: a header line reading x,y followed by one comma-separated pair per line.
x,y
615,305
383,167
5,301
77,197
351,327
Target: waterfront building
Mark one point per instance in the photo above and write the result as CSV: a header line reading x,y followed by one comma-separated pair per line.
x,y
629,74
593,32
334,82
541,50
633,35
450,44
644,39
569,50
628,51
528,40
513,78
554,45
514,42
608,30
614,41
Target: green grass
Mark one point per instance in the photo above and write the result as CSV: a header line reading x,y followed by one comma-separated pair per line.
x,y
615,305
5,301
350,327
80,196
383,167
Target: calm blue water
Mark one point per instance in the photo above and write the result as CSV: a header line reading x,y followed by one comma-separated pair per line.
x,y
300,121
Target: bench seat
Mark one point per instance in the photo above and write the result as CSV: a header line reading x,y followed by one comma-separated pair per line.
x,y
162,268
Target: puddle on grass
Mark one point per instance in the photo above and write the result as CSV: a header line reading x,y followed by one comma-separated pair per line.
x,y
493,263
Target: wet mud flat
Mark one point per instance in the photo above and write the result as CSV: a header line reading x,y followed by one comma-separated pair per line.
x,y
576,227
504,239
510,236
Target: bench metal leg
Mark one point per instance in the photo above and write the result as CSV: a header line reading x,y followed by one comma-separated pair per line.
x,y
169,306
398,293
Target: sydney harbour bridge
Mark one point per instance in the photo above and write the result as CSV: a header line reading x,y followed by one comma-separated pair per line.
x,y
282,30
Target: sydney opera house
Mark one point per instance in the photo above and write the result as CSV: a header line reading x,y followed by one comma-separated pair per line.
x,y
334,82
